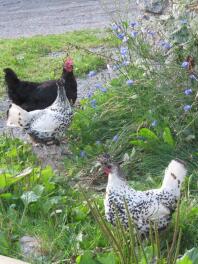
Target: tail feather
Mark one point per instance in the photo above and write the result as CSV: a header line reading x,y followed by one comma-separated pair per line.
x,y
174,175
17,117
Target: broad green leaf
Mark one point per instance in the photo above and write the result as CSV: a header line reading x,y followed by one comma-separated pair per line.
x,y
107,258
167,136
138,143
6,195
190,257
29,197
148,134
38,189
87,258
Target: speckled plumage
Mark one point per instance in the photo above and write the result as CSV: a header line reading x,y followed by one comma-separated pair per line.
x,y
43,125
145,207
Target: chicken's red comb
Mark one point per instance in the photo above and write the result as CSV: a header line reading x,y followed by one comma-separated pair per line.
x,y
68,61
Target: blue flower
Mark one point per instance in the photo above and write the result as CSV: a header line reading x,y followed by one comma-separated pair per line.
x,y
82,154
134,24
116,67
114,27
98,85
103,89
188,91
123,51
185,64
115,138
129,82
125,63
98,142
91,73
183,21
134,34
152,33
89,94
120,35
165,44
187,108
93,103
154,123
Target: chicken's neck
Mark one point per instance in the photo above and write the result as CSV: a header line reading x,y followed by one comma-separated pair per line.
x,y
115,181
67,75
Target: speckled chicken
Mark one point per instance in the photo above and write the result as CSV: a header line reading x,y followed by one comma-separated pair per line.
x,y
145,207
46,125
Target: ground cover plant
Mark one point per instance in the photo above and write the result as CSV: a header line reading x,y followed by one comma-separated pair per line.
x,y
146,117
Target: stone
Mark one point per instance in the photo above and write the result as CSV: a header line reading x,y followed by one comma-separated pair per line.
x,y
30,246
155,6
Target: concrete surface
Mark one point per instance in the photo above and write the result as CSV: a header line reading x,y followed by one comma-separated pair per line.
x,y
34,17
6,260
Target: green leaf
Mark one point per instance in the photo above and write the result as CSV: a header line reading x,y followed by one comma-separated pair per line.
x,y
38,189
148,134
168,138
6,195
29,197
107,258
190,257
87,258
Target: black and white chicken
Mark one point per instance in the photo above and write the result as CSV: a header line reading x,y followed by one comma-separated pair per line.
x,y
36,96
46,125
145,207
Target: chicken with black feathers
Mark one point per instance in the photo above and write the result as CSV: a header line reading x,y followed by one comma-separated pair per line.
x,y
35,96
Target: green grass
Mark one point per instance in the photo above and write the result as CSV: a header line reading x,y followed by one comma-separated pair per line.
x,y
31,59
62,234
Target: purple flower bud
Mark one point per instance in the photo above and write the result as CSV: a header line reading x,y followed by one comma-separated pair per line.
x,y
129,82
91,73
183,21
165,44
134,34
188,91
115,138
89,94
98,85
134,24
114,27
116,67
93,103
82,154
103,89
123,51
120,35
154,123
151,33
125,63
187,108
185,65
